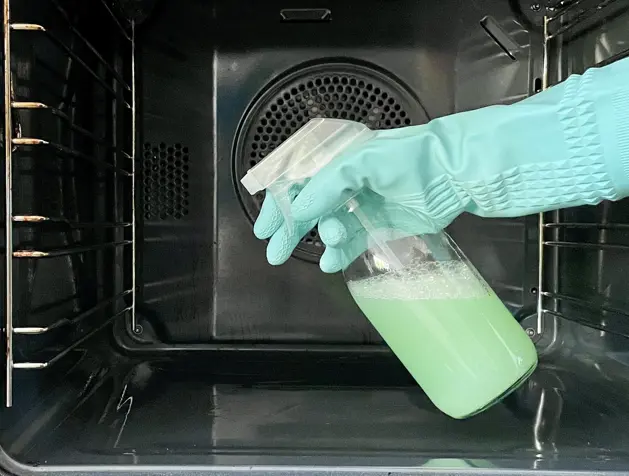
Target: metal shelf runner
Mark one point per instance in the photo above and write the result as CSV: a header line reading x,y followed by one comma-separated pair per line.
x,y
12,220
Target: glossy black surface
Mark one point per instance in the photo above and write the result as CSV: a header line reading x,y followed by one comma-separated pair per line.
x,y
343,412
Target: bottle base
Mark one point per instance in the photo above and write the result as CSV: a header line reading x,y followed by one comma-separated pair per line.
x,y
504,394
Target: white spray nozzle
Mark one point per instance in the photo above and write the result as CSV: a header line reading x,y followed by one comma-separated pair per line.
x,y
301,156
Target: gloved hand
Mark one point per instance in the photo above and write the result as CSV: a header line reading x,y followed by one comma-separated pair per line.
x,y
566,146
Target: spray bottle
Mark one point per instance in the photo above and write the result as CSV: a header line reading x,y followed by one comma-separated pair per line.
x,y
427,301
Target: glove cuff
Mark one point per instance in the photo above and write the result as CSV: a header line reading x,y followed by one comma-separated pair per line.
x,y
621,115
609,90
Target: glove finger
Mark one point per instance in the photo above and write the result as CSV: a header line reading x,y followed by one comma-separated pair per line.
x,y
337,232
285,239
332,261
346,239
336,259
339,227
269,220
332,231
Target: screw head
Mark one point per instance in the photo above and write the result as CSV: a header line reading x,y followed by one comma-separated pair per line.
x,y
530,332
536,7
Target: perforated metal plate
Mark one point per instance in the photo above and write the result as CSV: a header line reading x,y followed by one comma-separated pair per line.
x,y
165,177
337,90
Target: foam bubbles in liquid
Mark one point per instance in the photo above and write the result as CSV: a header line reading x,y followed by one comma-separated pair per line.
x,y
424,280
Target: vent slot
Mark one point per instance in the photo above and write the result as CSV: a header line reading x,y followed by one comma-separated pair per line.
x,y
166,172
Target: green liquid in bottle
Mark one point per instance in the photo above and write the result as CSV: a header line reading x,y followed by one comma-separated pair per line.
x,y
451,332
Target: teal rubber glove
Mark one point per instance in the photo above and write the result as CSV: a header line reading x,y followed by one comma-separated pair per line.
x,y
564,147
